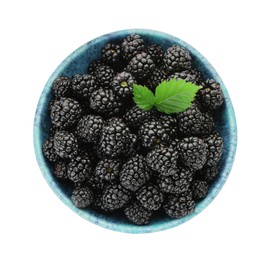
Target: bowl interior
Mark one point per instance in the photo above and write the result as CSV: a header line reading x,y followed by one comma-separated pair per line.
x,y
78,62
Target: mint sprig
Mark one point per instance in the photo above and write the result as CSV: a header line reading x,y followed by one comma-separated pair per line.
x,y
172,96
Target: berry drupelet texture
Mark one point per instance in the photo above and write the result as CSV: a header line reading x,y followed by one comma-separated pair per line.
x,y
134,173
89,128
82,197
65,112
193,152
132,45
137,214
62,87
122,85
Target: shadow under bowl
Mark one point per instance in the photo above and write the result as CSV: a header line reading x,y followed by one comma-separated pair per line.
x,y
77,63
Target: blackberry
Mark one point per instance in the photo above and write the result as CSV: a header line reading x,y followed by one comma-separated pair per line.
x,y
199,189
193,152
208,173
211,95
192,76
83,85
105,102
65,112
131,146
111,53
141,66
132,45
114,138
108,169
137,214
135,116
215,148
181,205
79,168
62,87
115,196
96,183
134,173
163,160
122,84
98,203
169,123
94,65
152,134
89,128
65,144
150,197
155,78
156,52
49,151
177,58
104,76
82,197
192,122
176,183
60,170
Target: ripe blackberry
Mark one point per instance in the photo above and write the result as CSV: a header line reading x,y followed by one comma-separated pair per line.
x,y
60,170
111,53
82,197
122,84
181,205
65,144
199,189
141,66
114,138
96,183
135,117
105,102
177,58
94,65
49,151
193,152
134,173
115,196
89,128
163,160
108,169
155,78
131,146
215,148
192,122
98,203
137,214
132,45
192,76
65,112
208,173
83,85
62,87
169,123
176,183
156,52
152,134
79,168
211,95
150,197
104,76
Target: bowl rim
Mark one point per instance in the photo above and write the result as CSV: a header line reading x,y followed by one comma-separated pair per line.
x,y
110,224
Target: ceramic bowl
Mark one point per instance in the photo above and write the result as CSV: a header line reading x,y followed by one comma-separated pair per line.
x,y
77,62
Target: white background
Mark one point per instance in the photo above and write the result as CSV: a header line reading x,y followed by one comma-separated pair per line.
x,y
37,35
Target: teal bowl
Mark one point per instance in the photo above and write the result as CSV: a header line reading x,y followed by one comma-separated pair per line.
x,y
77,62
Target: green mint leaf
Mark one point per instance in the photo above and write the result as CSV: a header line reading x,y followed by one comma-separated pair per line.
x,y
143,97
175,96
